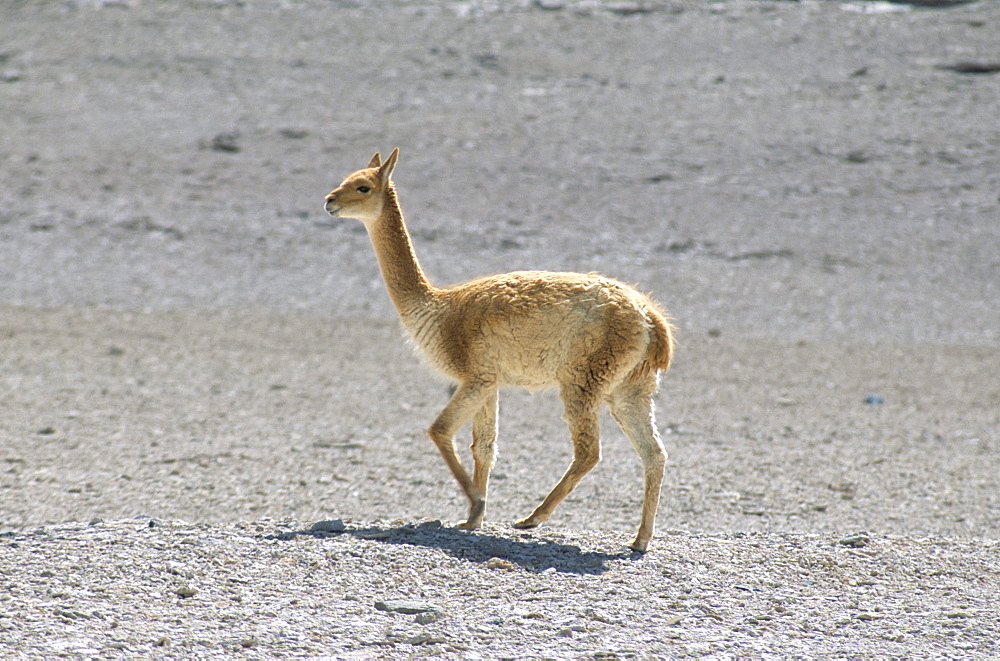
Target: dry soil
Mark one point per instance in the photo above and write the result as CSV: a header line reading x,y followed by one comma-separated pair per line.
x,y
197,365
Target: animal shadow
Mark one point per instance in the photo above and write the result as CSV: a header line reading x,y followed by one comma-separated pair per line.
x,y
524,550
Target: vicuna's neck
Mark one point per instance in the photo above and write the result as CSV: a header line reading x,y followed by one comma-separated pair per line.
x,y
408,287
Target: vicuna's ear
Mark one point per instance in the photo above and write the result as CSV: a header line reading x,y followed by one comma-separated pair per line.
x,y
385,171
376,161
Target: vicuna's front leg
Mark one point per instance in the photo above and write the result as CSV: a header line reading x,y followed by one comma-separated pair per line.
x,y
484,452
468,398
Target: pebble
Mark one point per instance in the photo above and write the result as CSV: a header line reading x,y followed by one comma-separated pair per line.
x,y
186,592
429,617
500,563
332,525
225,142
406,606
972,67
856,541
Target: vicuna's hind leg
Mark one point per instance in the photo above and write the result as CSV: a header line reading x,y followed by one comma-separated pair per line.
x,y
581,415
484,451
632,408
468,398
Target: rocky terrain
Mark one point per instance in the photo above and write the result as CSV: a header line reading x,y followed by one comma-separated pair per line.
x,y
212,431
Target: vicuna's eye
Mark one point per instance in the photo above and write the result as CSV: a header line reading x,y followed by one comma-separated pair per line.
x,y
363,189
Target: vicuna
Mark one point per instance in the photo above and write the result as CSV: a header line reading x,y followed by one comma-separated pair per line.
x,y
596,339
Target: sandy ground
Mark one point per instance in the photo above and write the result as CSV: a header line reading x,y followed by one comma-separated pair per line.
x,y
810,188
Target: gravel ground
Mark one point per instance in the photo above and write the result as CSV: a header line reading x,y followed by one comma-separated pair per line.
x,y
197,365
176,589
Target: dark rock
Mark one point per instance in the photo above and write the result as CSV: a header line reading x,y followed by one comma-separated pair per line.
x,y
406,606
225,142
969,67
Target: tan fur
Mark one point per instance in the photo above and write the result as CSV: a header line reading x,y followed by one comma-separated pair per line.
x,y
596,339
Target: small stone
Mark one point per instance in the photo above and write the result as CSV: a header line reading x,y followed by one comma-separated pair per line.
x,y
186,592
225,142
429,617
247,643
46,431
332,525
855,541
857,156
163,641
341,445
630,9
406,606
500,563
874,399
972,67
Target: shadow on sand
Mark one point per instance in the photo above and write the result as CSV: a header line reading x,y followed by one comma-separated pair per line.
x,y
523,550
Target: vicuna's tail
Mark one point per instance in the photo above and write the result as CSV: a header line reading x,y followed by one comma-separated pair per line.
x,y
659,351
661,345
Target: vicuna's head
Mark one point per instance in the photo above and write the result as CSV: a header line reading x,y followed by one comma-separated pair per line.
x,y
362,194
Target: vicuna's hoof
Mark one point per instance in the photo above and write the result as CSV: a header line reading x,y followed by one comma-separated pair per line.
x,y
639,547
526,523
476,511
